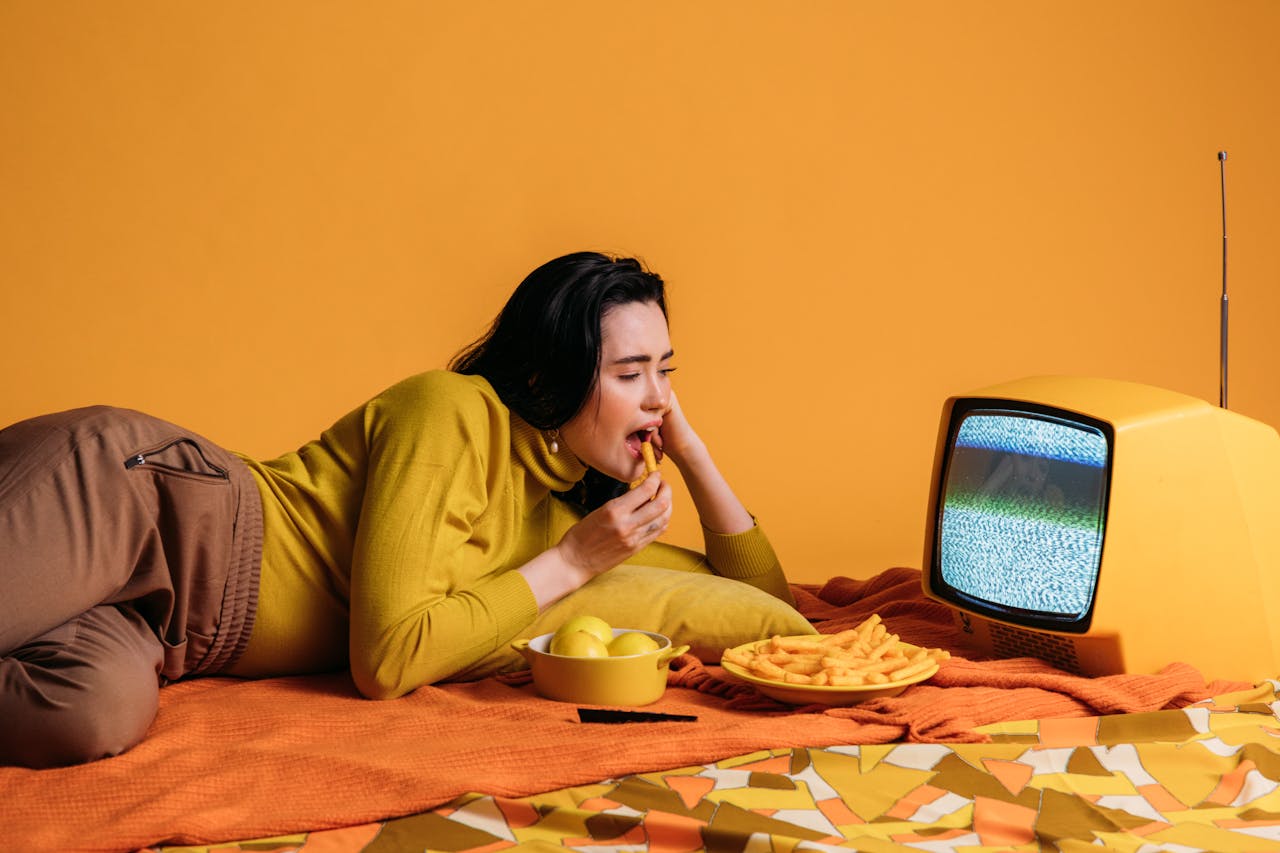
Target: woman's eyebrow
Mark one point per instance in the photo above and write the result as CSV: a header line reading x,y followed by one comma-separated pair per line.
x,y
643,359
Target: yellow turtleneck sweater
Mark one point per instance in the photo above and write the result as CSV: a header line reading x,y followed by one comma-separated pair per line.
x,y
389,542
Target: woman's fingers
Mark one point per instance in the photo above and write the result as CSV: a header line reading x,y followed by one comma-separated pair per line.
x,y
655,514
646,513
644,504
621,527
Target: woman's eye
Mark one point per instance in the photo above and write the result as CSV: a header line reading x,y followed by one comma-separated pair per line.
x,y
631,377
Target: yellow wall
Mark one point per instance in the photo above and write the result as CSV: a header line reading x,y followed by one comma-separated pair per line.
x,y
249,217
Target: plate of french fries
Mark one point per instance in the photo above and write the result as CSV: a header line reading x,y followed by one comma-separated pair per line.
x,y
833,669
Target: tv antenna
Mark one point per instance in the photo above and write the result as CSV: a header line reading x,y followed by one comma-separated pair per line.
x,y
1222,327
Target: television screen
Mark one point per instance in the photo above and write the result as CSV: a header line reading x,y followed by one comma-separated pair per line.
x,y
1023,512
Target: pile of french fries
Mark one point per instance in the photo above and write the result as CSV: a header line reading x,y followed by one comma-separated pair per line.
x,y
867,654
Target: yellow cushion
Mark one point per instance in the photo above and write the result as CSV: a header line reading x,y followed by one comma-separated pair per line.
x,y
708,612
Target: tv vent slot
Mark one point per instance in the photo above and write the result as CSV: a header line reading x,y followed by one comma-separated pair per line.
x,y
1012,643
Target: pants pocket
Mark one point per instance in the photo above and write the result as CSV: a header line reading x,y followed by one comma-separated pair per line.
x,y
179,456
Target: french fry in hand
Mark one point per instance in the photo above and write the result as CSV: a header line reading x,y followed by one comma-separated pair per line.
x,y
867,654
650,462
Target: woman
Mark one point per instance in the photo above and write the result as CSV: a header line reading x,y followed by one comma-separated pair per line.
x,y
416,536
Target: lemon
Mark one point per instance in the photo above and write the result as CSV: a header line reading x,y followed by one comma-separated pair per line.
x,y
593,625
578,644
632,643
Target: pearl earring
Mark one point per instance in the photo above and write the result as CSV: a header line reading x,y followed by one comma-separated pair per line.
x,y
553,441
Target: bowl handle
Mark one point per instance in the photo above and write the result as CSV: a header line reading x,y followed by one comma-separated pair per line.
x,y
671,654
522,646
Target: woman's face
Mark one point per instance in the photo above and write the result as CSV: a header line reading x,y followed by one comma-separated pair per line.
x,y
632,392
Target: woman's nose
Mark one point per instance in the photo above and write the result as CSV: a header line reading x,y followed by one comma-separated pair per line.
x,y
656,399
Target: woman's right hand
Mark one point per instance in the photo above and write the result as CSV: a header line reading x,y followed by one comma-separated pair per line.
x,y
601,540
619,528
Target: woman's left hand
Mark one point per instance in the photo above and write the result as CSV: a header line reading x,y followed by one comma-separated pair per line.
x,y
676,438
718,507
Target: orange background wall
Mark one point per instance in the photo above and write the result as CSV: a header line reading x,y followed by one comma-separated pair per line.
x,y
250,217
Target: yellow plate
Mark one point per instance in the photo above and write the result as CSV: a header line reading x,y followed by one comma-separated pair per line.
x,y
816,694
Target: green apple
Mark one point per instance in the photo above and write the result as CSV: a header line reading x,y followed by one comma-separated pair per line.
x,y
632,643
578,644
593,625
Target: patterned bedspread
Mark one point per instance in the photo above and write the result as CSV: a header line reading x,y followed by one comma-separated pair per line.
x,y
1204,777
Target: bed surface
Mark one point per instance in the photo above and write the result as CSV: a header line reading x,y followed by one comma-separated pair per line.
x,y
995,754
1200,778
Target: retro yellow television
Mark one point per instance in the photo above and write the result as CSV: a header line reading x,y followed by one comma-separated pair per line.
x,y
1106,527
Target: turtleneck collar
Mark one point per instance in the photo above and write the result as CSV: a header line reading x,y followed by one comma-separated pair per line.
x,y
557,471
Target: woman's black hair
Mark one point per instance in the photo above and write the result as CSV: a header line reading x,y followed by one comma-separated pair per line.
x,y
542,353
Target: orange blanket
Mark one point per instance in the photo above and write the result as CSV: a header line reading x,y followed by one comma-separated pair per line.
x,y
228,759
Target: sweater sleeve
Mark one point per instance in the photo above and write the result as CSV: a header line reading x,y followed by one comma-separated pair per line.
x,y
746,557
427,596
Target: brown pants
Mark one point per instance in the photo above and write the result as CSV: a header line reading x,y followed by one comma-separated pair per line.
x,y
129,556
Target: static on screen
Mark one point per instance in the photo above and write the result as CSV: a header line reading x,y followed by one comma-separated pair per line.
x,y
1023,512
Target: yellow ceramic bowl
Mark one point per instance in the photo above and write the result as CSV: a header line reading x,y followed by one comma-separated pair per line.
x,y
626,680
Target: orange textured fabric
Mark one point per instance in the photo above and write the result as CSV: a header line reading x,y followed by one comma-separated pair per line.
x,y
230,759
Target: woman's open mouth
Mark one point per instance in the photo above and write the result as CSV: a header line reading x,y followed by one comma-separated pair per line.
x,y
640,436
